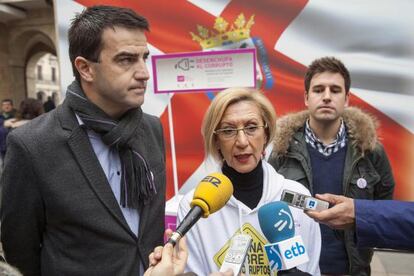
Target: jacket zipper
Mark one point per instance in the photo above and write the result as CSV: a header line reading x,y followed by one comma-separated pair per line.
x,y
350,175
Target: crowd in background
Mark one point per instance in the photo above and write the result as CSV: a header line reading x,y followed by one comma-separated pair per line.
x,y
11,118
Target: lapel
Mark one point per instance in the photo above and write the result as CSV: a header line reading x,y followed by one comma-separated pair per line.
x,y
79,143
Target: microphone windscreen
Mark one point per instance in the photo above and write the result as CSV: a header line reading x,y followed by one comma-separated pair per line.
x,y
276,221
212,193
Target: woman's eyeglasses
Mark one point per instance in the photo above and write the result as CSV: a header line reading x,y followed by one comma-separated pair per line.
x,y
228,133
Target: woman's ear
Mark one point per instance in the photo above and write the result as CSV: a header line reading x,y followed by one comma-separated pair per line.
x,y
217,145
220,154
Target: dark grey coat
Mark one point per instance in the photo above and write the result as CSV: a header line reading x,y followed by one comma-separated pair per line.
x,y
59,215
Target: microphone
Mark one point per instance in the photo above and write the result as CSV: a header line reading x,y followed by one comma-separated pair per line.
x,y
211,194
285,251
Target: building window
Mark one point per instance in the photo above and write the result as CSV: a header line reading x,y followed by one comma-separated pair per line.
x,y
39,72
53,74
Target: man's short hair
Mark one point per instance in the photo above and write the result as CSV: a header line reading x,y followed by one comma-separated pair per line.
x,y
85,32
7,101
327,64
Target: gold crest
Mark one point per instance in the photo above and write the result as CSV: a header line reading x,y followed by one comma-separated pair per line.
x,y
222,33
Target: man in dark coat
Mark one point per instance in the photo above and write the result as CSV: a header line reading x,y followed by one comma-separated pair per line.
x,y
84,185
7,112
333,148
7,109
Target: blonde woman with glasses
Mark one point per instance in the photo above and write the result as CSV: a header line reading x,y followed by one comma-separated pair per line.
x,y
238,126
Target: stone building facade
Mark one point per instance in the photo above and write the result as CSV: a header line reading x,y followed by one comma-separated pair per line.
x,y
27,33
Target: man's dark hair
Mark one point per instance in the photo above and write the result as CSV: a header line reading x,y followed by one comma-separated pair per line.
x,y
85,32
7,101
327,64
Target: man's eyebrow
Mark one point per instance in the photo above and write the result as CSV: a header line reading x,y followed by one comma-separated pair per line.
x,y
129,54
125,54
318,86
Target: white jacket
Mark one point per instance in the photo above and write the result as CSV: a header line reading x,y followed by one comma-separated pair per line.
x,y
209,238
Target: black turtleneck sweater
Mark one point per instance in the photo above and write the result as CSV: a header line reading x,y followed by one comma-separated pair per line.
x,y
248,187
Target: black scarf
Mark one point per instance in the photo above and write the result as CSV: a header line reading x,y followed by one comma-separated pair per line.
x,y
137,180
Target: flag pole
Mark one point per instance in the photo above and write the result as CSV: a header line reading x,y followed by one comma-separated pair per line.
x,y
172,142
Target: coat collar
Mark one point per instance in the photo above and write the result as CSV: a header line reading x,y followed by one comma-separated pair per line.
x,y
361,129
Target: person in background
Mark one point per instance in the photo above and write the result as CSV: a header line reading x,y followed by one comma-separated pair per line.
x,y
7,109
29,109
3,137
83,186
237,127
49,104
7,112
333,148
377,223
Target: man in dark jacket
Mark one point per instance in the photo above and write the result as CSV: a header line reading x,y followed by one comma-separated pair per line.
x,y
7,109
84,185
7,112
333,148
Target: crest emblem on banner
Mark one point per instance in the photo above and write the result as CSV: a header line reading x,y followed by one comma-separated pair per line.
x,y
232,36
222,34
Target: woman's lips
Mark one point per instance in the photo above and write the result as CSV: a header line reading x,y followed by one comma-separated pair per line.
x,y
243,158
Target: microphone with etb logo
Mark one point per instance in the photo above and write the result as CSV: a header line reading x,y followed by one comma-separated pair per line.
x,y
285,251
211,194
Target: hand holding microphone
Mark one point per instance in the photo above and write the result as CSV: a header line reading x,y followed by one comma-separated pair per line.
x,y
164,260
211,194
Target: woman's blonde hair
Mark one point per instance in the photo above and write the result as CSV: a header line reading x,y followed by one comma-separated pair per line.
x,y
221,102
